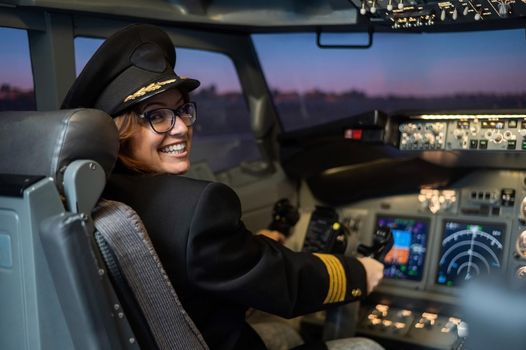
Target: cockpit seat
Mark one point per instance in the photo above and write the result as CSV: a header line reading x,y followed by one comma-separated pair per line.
x,y
63,283
135,266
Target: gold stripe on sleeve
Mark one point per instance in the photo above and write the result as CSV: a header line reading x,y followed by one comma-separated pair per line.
x,y
333,286
337,278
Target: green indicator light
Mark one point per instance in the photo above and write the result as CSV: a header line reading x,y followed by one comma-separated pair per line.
x,y
449,283
403,268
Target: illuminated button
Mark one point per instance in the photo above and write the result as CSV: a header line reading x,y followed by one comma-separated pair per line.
x,y
512,124
376,321
353,134
429,316
382,307
473,144
483,144
387,323
406,313
399,325
512,144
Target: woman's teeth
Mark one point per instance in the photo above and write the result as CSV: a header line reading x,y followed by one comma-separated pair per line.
x,y
174,149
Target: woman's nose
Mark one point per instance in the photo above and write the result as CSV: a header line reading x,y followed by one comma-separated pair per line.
x,y
179,128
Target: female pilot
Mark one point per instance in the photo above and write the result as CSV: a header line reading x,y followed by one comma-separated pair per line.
x,y
218,268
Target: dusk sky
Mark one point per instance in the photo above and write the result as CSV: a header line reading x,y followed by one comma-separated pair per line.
x,y
15,69
414,65
402,64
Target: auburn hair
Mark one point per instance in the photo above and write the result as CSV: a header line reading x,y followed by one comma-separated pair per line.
x,y
127,124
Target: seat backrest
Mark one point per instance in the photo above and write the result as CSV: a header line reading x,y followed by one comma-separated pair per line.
x,y
54,287
51,293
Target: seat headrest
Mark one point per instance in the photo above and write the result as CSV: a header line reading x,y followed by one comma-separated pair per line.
x,y
44,143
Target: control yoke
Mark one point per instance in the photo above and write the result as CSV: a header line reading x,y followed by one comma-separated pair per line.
x,y
284,217
382,243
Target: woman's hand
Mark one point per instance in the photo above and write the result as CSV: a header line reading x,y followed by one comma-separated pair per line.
x,y
374,271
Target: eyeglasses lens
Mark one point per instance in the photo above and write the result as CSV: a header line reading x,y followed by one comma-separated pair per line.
x,y
163,120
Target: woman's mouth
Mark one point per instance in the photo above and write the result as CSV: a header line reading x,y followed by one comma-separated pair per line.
x,y
174,149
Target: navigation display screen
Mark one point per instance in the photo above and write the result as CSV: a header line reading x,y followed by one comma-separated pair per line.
x,y
406,259
469,249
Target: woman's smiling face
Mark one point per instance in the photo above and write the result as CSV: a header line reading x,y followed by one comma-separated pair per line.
x,y
163,153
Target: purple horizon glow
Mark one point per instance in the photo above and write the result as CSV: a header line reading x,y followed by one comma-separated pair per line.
x,y
424,65
16,63
398,64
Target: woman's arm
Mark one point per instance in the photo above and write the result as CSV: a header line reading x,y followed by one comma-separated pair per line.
x,y
223,257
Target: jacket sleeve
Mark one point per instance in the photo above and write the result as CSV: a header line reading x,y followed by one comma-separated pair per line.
x,y
224,258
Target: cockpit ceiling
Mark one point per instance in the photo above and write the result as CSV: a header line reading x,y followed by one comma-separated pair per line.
x,y
274,15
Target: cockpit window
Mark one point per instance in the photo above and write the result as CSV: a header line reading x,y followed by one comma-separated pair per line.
x,y
223,137
16,78
438,71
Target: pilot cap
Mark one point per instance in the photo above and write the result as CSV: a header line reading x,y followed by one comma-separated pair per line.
x,y
132,65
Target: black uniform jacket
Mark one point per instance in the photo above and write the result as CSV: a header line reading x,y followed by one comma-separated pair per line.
x,y
219,268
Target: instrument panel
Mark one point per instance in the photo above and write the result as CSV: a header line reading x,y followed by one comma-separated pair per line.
x,y
406,14
443,240
464,132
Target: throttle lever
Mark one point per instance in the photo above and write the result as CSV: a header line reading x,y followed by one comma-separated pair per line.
x,y
382,243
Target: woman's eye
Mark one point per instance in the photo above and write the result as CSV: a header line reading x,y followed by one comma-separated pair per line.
x,y
156,117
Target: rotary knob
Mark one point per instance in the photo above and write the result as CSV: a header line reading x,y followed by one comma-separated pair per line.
x,y
520,273
520,245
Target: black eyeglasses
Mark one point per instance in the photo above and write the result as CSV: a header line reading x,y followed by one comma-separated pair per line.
x,y
162,120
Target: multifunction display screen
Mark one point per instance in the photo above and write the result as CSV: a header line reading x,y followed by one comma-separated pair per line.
x,y
406,259
469,249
